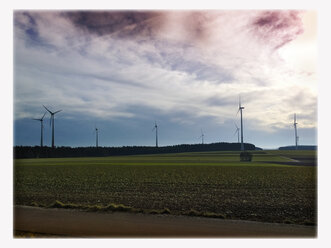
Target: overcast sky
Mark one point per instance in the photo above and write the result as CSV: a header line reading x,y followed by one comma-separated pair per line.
x,y
122,71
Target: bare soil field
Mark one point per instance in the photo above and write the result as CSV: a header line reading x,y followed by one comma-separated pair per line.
x,y
204,184
210,194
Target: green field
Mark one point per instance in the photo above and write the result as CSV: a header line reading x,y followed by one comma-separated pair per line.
x,y
213,184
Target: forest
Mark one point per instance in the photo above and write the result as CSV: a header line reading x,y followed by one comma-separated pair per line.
x,y
66,151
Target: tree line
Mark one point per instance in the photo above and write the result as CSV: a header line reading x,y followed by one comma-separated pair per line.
x,y
299,148
65,151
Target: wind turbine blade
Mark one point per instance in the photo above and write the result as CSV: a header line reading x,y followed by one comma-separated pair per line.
x,y
43,116
47,109
36,119
57,111
236,126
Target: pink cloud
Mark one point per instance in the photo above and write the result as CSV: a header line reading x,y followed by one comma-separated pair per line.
x,y
277,27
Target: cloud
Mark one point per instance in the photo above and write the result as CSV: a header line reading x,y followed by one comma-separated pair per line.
x,y
277,27
183,64
126,23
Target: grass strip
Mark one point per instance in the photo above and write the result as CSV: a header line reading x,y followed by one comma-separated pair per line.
x,y
112,207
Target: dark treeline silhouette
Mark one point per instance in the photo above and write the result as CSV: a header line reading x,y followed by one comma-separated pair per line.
x,y
299,148
64,152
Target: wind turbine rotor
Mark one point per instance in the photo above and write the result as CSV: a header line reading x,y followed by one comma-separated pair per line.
x,y
96,135
41,119
155,126
241,125
295,131
156,135
240,107
201,136
51,122
41,128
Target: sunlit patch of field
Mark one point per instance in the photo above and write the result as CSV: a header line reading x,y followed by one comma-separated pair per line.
x,y
194,158
202,183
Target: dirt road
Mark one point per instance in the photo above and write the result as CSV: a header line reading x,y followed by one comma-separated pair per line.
x,y
73,223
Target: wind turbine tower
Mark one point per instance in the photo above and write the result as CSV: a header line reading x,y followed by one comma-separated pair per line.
x,y
156,141
41,129
202,136
241,124
52,122
96,136
295,132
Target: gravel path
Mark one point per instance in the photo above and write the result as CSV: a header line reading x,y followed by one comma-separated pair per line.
x,y
74,223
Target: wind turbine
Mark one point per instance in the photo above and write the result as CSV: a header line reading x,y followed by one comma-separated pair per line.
x,y
52,122
155,128
41,128
295,131
241,124
96,136
201,136
237,131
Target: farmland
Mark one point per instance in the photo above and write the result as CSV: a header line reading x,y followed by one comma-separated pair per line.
x,y
212,184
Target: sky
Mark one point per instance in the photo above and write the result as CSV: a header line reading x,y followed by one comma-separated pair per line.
x,y
121,71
